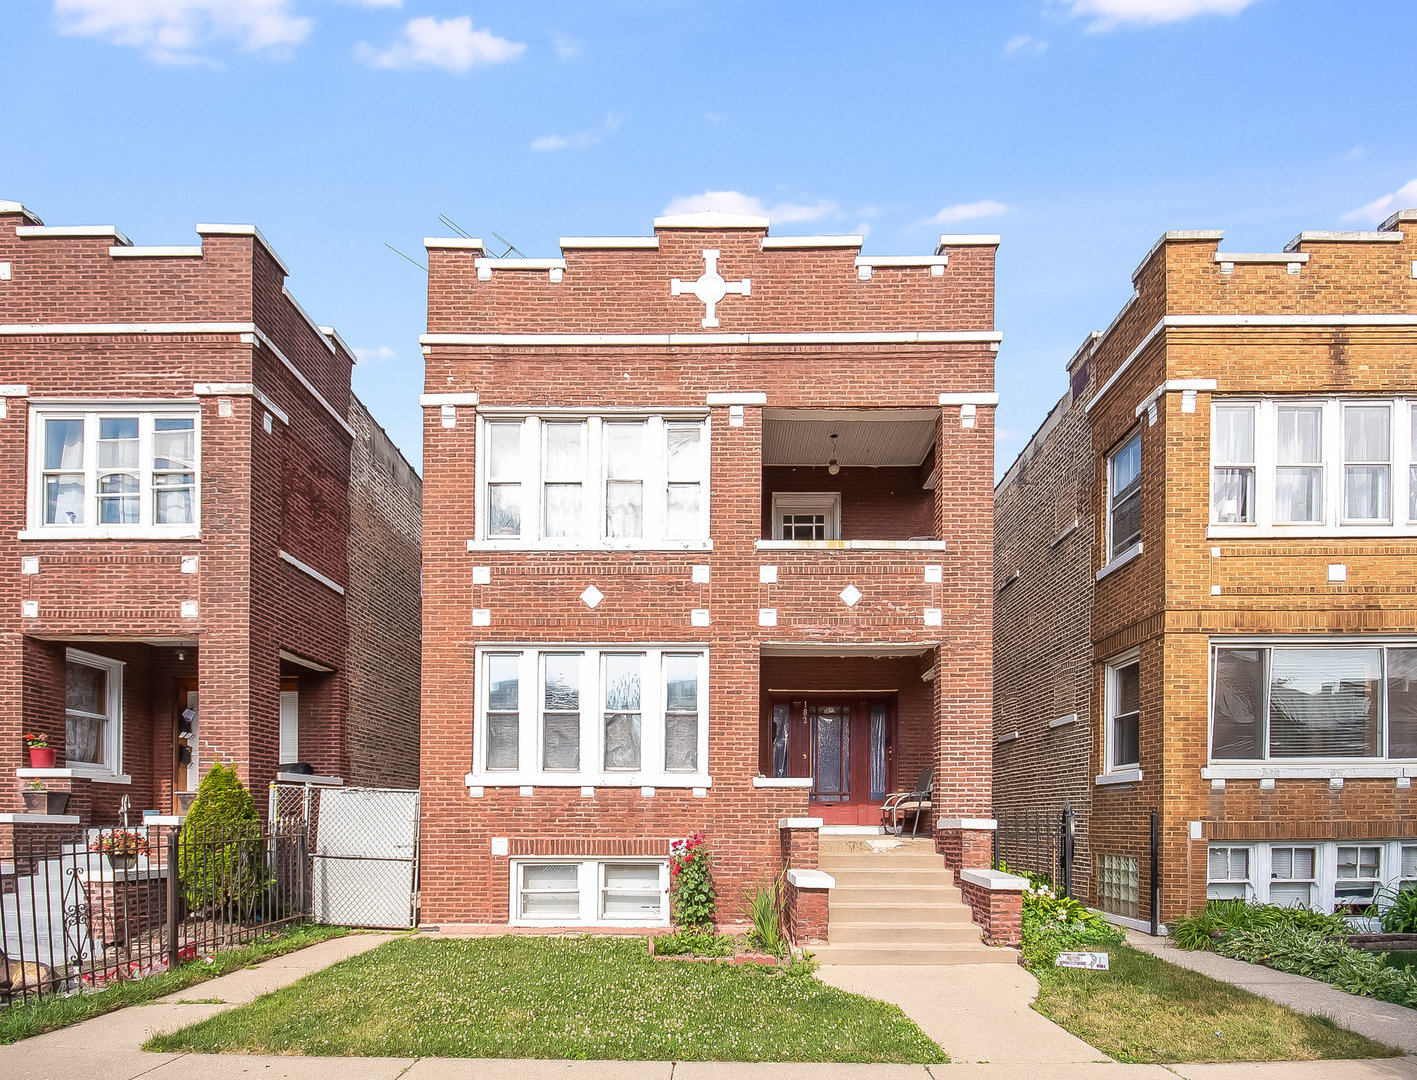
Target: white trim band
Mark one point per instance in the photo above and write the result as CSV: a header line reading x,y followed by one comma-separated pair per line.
x,y
1260,257
202,389
979,824
74,232
309,386
156,252
1123,776
306,568
598,243
781,243
453,243
427,400
1275,770
877,261
14,390
810,879
994,880
969,399
1173,385
903,337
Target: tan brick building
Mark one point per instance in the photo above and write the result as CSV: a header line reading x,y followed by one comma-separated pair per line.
x,y
213,550
1232,620
711,554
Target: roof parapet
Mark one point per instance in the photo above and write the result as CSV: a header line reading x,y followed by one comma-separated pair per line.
x,y
454,243
711,219
76,232
1323,236
1402,217
949,240
778,243
8,207
597,243
1174,236
1260,257
210,229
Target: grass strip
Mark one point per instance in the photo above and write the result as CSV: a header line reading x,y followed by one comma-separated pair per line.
x,y
1148,1011
585,997
20,1021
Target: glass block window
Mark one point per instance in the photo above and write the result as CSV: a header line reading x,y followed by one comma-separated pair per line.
x,y
1117,885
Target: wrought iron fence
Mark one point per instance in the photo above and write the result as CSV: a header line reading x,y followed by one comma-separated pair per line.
x,y
1041,842
84,907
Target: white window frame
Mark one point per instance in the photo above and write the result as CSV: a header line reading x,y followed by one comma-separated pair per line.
x,y
592,772
826,503
1335,766
590,882
1402,465
1264,854
1247,883
593,484
1126,659
1111,461
90,412
1325,881
112,764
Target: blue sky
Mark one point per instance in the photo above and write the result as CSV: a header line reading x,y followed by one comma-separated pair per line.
x,y
1079,129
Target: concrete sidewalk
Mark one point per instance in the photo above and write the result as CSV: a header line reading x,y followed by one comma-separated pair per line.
x,y
1390,1024
979,1013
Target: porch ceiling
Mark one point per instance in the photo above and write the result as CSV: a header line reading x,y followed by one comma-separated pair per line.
x,y
874,437
169,642
844,648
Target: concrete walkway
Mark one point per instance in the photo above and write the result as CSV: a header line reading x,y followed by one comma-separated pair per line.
x,y
979,1013
1391,1024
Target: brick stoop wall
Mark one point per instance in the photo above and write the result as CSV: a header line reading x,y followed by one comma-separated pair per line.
x,y
805,914
996,899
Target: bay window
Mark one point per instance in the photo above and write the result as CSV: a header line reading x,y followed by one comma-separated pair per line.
x,y
1345,466
614,716
599,480
1333,701
114,471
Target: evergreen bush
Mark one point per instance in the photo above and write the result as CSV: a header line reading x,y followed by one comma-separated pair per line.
x,y
220,857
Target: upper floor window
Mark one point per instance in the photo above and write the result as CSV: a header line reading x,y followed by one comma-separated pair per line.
x,y
622,716
1124,498
1123,748
93,712
115,471
1337,700
1311,466
806,515
593,481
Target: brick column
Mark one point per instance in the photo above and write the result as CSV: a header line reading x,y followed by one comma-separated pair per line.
x,y
996,900
799,842
805,905
966,843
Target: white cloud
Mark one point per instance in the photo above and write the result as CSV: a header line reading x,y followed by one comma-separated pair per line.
x,y
1110,14
1026,44
984,208
578,140
380,352
1404,198
735,202
863,230
566,47
451,44
170,31
373,3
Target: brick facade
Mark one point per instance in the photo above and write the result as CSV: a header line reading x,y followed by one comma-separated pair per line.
x,y
1334,316
291,493
602,331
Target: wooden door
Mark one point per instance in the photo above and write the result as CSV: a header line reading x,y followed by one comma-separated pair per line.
x,y
185,769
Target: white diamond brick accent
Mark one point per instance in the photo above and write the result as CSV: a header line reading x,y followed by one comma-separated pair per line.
x,y
592,596
850,596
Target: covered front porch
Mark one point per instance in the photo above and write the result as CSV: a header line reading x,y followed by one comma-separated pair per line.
x,y
856,720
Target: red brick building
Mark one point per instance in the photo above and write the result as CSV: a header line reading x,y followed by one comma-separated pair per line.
x,y
1204,575
711,555
213,550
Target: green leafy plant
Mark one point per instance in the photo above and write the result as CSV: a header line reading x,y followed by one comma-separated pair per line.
x,y
765,910
220,856
693,943
36,740
692,898
1220,918
1054,922
1311,952
1400,914
120,842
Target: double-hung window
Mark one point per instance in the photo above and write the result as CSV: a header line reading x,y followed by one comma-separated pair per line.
x,y
114,471
1228,873
594,892
1293,872
1123,735
618,716
602,480
1338,700
1343,466
1360,877
1124,498
93,713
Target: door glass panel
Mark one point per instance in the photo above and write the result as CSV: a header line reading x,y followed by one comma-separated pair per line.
x,y
878,752
830,736
780,716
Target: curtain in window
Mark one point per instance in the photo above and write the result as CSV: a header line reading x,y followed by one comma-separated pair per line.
x,y
1367,452
1126,718
1298,476
504,490
503,719
563,467
63,475
681,713
1325,702
561,717
1402,703
622,711
1233,449
1238,730
684,476
624,479
86,710
781,714
878,752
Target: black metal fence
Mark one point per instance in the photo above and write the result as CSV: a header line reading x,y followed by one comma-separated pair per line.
x,y
84,907
1040,842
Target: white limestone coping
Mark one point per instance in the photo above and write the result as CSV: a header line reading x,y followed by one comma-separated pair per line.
x,y
782,781
520,264
1263,771
467,398
994,880
455,243
208,228
851,545
1326,236
1123,776
63,773
902,260
811,879
977,824
156,251
778,243
710,219
39,819
799,823
310,778
593,243
1260,257
949,240
833,337
36,232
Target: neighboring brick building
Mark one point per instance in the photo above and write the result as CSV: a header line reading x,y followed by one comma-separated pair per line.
x,y
1242,442
213,550
711,555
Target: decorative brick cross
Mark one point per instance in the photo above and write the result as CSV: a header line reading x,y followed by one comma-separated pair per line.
x,y
710,287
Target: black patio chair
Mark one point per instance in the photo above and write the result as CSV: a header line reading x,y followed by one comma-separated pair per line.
x,y
905,802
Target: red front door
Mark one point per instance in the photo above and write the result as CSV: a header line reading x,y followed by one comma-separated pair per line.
x,y
846,745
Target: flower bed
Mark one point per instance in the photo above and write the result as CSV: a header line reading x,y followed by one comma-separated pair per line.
x,y
688,945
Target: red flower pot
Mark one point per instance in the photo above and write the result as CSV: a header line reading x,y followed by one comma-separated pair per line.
x,y
41,757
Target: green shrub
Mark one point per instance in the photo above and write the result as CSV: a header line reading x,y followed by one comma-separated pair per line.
x,y
692,943
1312,952
1054,922
1220,918
765,909
1400,915
691,893
220,856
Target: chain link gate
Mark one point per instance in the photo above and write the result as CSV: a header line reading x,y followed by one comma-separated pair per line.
x,y
363,851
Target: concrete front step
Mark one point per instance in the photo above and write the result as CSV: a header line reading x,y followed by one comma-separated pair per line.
x,y
935,879
872,911
904,933
914,954
855,860
900,895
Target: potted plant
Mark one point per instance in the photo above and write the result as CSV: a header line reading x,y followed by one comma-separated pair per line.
x,y
40,800
41,753
122,846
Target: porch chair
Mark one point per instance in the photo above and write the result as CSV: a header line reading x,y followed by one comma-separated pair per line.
x,y
905,802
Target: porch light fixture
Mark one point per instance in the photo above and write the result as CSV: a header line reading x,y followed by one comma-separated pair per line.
x,y
832,466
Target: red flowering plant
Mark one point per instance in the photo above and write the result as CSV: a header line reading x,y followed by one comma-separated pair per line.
x,y
119,842
36,740
691,891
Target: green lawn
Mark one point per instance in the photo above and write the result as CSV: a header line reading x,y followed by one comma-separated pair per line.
x,y
1147,1010
50,1013
583,997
